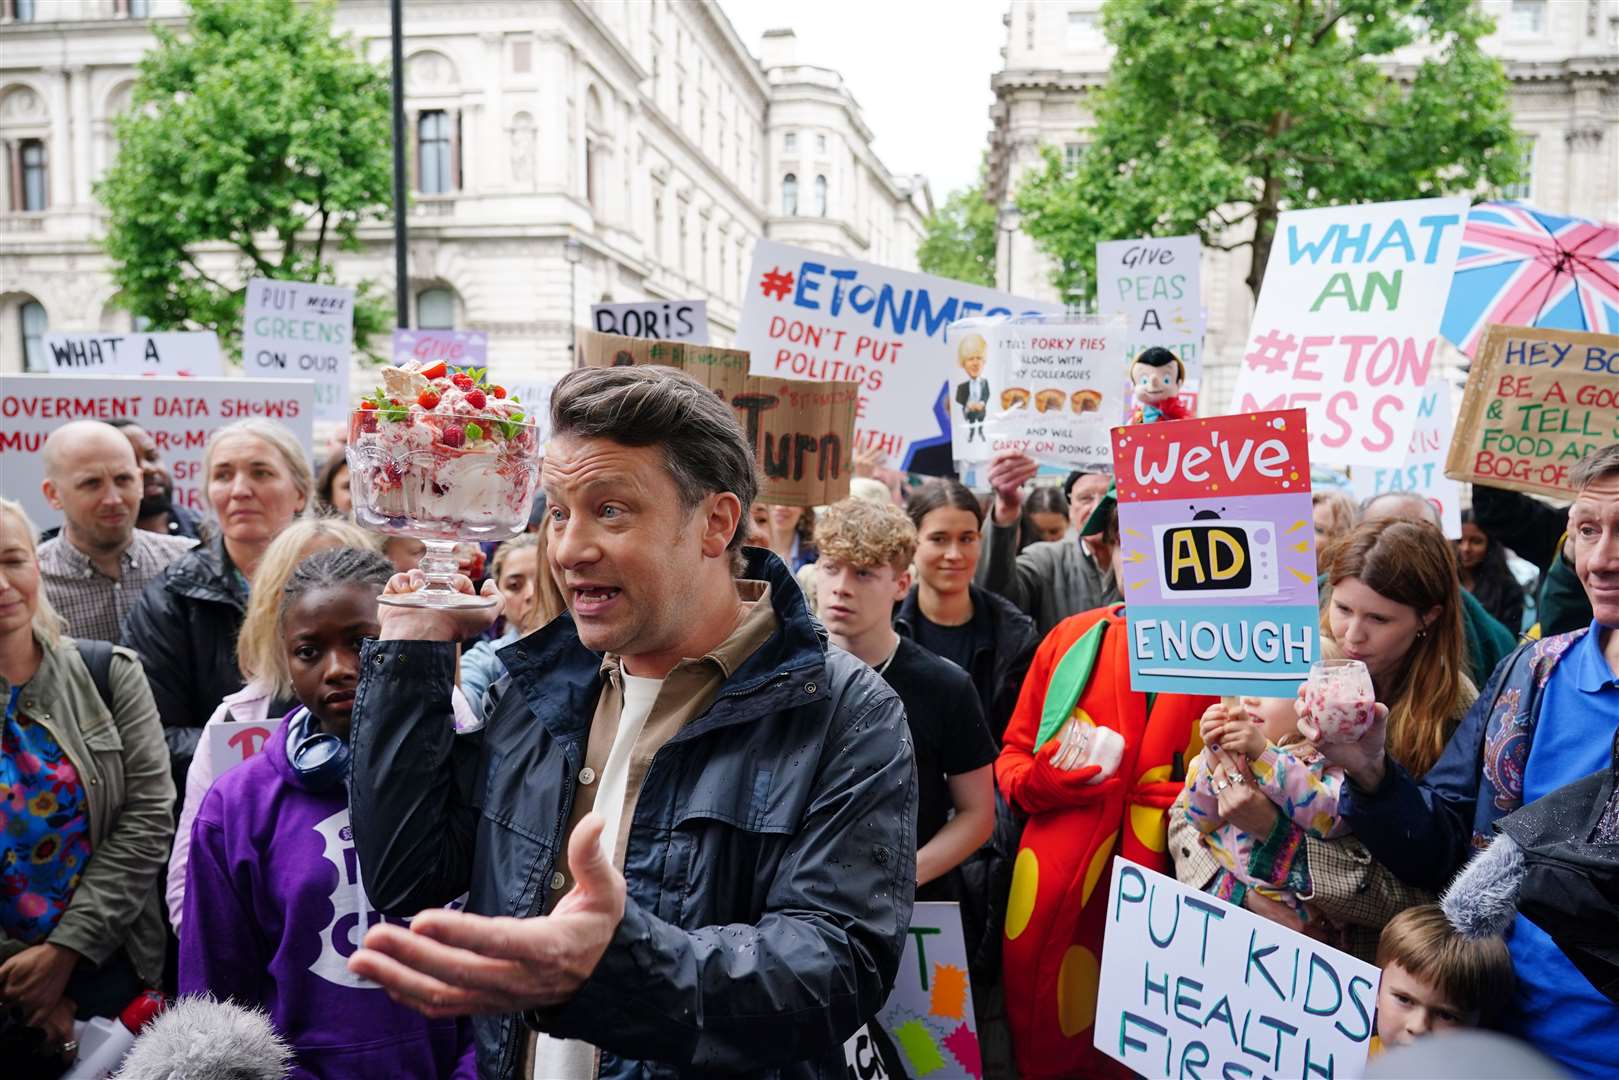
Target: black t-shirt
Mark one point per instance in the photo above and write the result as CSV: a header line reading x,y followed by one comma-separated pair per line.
x,y
955,643
947,729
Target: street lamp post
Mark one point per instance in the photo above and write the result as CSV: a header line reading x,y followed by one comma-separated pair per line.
x,y
1009,224
574,252
401,245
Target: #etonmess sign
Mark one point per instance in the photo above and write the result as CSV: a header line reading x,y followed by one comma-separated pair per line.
x,y
818,316
802,432
1053,391
926,1027
1347,324
1192,986
662,320
179,412
298,330
1423,472
1536,402
1218,553
1155,283
458,348
175,352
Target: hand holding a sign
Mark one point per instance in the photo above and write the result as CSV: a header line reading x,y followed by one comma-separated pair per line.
x,y
1009,470
435,624
1229,727
1364,761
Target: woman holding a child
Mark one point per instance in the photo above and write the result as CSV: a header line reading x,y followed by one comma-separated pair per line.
x,y
1259,822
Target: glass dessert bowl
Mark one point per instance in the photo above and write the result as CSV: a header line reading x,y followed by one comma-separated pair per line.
x,y
446,459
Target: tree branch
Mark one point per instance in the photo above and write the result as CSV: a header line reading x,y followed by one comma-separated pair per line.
x,y
1333,16
320,239
251,250
192,262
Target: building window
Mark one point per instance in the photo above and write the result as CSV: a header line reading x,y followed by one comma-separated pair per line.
x,y
657,227
789,195
35,176
820,196
522,57
685,247
20,10
435,309
789,143
1071,153
433,152
134,9
702,259
1525,187
1528,16
1082,29
34,325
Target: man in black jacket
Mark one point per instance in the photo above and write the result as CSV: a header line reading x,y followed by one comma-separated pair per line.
x,y
736,798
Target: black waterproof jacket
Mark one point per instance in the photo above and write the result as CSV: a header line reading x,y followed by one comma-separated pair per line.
x,y
770,862
184,629
1006,639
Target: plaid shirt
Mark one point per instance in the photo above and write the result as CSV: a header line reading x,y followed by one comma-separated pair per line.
x,y
94,604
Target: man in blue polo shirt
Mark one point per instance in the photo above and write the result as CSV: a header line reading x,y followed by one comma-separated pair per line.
x,y
1547,718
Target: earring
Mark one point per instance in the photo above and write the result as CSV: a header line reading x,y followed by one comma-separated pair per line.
x,y
1422,634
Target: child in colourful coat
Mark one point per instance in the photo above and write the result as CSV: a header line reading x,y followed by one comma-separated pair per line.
x,y
274,905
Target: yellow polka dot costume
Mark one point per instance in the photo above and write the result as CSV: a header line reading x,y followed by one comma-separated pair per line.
x,y
1054,915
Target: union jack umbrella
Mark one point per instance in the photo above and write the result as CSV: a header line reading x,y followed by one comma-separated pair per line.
x,y
1520,266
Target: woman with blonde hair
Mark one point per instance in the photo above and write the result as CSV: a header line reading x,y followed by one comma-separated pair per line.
x,y
86,820
1333,513
532,599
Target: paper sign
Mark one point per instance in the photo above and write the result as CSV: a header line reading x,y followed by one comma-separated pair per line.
x,y
1536,402
298,330
233,742
818,316
179,413
1156,284
1347,326
658,320
926,1028
1218,553
534,395
1192,986
460,349
168,353
1050,390
802,431
1424,470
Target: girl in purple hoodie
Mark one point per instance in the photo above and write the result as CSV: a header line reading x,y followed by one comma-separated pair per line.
x,y
274,905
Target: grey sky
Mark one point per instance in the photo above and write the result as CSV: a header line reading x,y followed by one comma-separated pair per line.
x,y
919,68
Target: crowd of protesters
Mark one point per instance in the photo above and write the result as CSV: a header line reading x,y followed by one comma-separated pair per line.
x,y
723,746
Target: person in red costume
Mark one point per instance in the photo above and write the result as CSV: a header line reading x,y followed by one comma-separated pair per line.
x,y
1156,378
1095,765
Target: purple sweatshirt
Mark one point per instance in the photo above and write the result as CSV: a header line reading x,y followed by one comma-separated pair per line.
x,y
273,910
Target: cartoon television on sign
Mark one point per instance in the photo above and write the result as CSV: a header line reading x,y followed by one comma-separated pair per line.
x,y
1211,555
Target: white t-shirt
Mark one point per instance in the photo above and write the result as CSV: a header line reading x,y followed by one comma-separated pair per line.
x,y
570,1059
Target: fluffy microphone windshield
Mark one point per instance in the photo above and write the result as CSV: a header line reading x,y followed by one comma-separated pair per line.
x,y
198,1038
1483,899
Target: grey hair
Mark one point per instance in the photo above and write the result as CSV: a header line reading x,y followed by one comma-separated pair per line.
x,y
198,1038
1430,512
1597,465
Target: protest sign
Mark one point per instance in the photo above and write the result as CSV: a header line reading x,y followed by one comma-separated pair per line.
x,y
1347,325
658,320
818,316
460,349
1423,472
179,413
100,353
926,1027
298,330
1156,284
1193,986
802,432
1536,402
533,394
1218,553
1050,390
234,741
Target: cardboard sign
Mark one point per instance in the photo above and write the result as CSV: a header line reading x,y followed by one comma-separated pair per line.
x,y
1049,390
656,320
1218,556
802,432
298,330
1156,285
168,353
926,1027
1536,402
460,349
1424,468
818,316
234,741
1192,986
1347,326
179,413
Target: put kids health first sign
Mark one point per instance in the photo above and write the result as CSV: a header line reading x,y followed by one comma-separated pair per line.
x,y
1347,325
814,315
1193,986
1218,553
299,330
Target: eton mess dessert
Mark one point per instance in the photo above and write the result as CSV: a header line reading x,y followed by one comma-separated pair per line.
x,y
441,455
1340,700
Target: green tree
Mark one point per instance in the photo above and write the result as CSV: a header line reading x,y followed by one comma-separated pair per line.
x,y
1220,114
257,129
959,241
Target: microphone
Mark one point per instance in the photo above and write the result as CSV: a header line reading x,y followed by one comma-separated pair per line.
x,y
1482,900
198,1038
